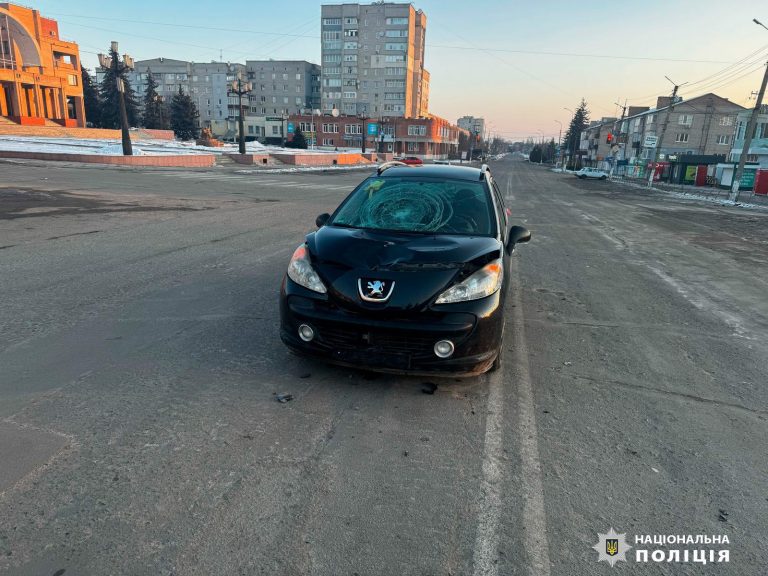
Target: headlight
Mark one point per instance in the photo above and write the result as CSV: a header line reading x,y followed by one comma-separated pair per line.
x,y
482,283
300,271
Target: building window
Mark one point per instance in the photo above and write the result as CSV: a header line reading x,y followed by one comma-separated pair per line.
x,y
349,95
332,35
250,129
353,129
332,58
331,128
275,130
723,139
394,95
350,21
394,58
331,21
350,45
417,130
327,141
351,33
726,121
681,138
350,57
331,71
685,119
72,79
413,146
397,47
397,21
394,71
396,33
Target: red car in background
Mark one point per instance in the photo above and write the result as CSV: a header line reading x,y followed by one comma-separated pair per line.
x,y
411,160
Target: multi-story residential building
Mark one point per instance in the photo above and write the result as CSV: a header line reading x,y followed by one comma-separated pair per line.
x,y
40,79
428,138
206,83
598,142
280,88
758,148
472,124
704,125
373,60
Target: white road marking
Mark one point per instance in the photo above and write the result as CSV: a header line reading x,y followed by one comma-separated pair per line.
x,y
486,549
534,515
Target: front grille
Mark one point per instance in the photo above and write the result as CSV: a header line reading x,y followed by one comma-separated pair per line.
x,y
388,341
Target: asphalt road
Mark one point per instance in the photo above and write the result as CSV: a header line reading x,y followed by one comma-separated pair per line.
x,y
139,362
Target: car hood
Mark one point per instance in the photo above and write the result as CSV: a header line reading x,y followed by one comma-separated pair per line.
x,y
421,266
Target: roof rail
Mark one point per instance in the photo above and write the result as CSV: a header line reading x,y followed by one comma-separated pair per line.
x,y
388,165
483,169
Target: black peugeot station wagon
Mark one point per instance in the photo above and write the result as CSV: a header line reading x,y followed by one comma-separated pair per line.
x,y
409,274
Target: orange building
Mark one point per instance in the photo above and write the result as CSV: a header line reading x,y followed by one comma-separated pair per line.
x,y
40,80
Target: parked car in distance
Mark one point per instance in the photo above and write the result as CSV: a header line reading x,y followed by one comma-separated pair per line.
x,y
412,161
442,162
409,274
591,173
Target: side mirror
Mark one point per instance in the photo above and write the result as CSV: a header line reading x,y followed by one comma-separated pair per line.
x,y
322,219
517,235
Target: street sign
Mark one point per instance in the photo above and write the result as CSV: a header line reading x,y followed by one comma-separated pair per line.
x,y
291,128
273,119
650,141
373,129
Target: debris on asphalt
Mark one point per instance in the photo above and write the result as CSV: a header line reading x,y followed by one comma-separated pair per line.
x,y
722,516
405,453
283,398
567,363
429,388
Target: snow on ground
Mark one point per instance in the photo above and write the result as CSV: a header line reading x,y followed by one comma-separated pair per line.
x,y
141,147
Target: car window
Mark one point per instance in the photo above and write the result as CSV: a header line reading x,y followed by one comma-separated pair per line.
x,y
429,206
500,204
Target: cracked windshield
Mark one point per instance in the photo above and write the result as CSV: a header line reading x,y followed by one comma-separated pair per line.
x,y
383,288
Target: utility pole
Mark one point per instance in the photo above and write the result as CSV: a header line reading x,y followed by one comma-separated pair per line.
x,y
736,184
660,140
615,140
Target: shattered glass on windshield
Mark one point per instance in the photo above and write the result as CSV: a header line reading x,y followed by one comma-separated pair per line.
x,y
425,206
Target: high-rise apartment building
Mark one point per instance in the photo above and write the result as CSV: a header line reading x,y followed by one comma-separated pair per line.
x,y
283,86
373,60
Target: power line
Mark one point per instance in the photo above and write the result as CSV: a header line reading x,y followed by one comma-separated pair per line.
x,y
446,46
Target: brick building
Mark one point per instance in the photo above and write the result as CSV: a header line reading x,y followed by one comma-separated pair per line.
x,y
40,79
427,138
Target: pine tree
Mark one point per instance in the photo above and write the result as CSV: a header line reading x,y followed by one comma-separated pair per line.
x,y
579,123
155,117
110,98
91,99
184,116
299,140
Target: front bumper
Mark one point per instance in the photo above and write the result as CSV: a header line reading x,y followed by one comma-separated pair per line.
x,y
397,343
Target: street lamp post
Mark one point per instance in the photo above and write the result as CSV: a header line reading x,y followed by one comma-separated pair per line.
x,y
560,144
159,100
240,89
118,68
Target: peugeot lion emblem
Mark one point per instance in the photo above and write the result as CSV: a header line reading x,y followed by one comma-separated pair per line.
x,y
375,290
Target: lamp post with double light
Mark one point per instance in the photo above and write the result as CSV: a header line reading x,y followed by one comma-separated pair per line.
x,y
240,88
118,69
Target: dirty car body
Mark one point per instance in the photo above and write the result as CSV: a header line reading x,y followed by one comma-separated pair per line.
x,y
409,274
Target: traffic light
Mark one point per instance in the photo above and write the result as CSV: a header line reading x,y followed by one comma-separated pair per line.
x,y
609,138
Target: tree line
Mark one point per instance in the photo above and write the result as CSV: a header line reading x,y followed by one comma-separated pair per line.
x,y
102,105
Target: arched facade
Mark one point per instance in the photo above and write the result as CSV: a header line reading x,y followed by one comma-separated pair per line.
x,y
40,79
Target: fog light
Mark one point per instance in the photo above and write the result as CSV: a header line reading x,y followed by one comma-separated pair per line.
x,y
306,333
444,349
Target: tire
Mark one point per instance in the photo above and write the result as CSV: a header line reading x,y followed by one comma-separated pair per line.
x,y
582,177
498,363
603,177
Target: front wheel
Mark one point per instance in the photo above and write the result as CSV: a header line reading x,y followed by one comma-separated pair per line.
x,y
603,177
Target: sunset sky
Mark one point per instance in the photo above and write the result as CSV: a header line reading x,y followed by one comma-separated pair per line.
x,y
518,64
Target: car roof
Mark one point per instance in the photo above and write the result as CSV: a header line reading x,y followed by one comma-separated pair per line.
x,y
433,171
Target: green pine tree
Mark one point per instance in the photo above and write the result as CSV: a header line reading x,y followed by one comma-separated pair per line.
x,y
299,140
579,123
110,98
155,116
184,116
91,99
